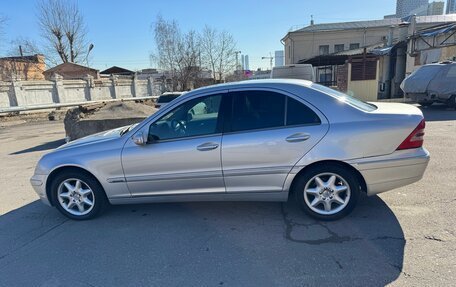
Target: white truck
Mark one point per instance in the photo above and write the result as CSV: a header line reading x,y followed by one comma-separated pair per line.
x,y
294,71
432,83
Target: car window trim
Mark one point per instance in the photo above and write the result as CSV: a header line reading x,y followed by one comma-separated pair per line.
x,y
185,138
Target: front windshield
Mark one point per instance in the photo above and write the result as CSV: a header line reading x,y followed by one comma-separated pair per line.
x,y
357,103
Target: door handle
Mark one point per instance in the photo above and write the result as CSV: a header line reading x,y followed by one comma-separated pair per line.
x,y
298,137
207,146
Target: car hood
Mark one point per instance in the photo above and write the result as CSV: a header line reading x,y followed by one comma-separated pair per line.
x,y
95,138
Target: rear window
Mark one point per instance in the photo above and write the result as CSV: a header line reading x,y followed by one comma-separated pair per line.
x,y
357,103
166,98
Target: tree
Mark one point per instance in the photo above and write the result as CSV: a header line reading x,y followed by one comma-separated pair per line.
x,y
176,52
218,52
63,29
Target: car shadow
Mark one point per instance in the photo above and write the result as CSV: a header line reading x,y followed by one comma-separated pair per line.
x,y
41,147
438,112
201,244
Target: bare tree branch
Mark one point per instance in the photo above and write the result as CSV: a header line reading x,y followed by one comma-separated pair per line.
x,y
218,52
176,52
63,29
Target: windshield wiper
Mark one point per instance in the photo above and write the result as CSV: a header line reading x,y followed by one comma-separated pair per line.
x,y
124,131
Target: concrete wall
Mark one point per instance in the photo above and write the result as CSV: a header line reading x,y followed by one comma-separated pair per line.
x,y
59,91
364,90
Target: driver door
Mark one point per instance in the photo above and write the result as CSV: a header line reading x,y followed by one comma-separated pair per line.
x,y
182,154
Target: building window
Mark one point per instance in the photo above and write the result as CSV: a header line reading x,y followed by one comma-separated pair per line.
x,y
324,49
339,48
354,46
363,69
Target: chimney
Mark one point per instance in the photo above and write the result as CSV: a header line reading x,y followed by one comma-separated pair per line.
x,y
312,20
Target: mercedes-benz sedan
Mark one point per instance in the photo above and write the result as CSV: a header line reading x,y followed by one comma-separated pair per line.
x,y
253,140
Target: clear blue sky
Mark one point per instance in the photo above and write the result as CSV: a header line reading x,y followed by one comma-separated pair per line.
x,y
122,35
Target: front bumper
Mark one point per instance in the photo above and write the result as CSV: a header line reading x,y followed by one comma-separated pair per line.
x,y
383,173
38,182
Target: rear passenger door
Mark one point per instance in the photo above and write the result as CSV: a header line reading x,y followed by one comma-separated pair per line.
x,y
265,135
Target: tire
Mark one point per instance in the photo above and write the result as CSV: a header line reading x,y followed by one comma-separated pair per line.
x,y
425,104
64,189
313,195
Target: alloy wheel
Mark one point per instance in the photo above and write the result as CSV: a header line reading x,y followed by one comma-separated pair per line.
x,y
76,196
327,193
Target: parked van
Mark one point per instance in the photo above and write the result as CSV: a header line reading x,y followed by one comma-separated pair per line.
x,y
294,71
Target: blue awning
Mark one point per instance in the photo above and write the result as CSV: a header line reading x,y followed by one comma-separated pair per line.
x,y
435,32
382,51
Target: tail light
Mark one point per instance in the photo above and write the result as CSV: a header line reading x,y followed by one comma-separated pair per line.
x,y
415,139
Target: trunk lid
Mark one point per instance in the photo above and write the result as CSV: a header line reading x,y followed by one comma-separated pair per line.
x,y
396,109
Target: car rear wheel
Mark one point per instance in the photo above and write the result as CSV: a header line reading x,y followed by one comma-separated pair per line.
x,y
327,192
77,195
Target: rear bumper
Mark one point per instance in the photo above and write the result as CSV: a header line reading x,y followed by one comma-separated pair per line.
x,y
387,172
38,183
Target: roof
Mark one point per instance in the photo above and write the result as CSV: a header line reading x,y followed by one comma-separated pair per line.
x,y
376,23
350,25
359,51
56,68
117,70
339,58
33,58
437,30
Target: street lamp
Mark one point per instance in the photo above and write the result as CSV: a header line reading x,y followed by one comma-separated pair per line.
x,y
87,55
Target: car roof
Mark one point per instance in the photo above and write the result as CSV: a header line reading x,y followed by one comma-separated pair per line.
x,y
256,83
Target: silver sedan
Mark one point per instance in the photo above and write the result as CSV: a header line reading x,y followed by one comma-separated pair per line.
x,y
247,141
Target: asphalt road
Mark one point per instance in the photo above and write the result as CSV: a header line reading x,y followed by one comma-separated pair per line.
x,y
405,237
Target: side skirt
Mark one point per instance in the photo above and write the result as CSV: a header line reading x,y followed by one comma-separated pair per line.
x,y
241,196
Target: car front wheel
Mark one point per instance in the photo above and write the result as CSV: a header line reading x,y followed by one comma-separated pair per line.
x,y
327,192
78,195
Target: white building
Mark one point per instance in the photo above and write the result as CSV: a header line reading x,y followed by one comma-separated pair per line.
x,y
451,6
406,8
436,8
279,58
246,62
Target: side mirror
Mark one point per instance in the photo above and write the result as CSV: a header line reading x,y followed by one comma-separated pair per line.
x,y
138,138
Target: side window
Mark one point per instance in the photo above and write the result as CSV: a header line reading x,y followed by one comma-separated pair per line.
x,y
300,114
257,110
193,118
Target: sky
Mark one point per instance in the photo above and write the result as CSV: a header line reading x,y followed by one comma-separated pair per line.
x,y
122,35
